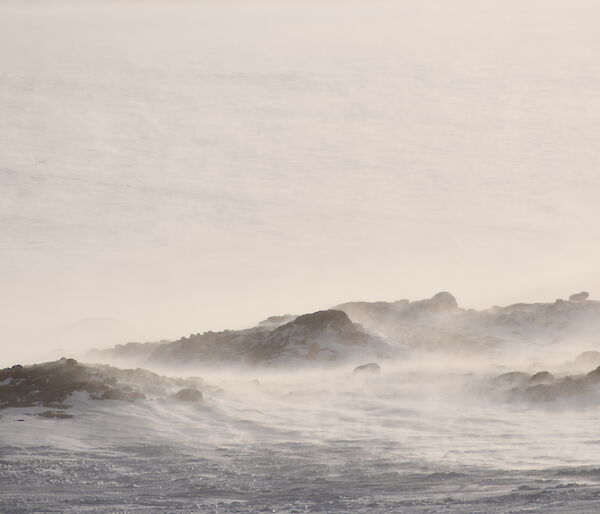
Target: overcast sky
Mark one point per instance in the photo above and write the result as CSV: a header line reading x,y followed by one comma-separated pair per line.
x,y
172,167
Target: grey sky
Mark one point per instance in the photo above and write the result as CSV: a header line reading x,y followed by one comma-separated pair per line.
x,y
189,166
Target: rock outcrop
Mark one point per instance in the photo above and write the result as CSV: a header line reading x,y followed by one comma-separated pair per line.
x,y
362,331
188,394
439,324
443,301
544,386
52,385
322,336
541,377
579,297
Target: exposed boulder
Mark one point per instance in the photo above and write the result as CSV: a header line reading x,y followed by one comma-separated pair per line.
x,y
579,297
321,336
593,376
323,320
565,387
188,394
543,386
444,301
438,305
541,377
371,368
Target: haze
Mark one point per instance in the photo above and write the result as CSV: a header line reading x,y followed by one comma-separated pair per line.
x,y
175,167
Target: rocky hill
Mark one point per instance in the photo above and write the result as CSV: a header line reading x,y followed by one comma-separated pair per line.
x,y
322,336
440,324
53,384
363,331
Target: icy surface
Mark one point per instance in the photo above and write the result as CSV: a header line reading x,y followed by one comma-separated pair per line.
x,y
403,440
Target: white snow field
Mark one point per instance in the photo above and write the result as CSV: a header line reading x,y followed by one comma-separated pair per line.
x,y
404,440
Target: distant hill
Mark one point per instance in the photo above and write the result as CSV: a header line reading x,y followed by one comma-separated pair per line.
x,y
323,336
367,331
440,324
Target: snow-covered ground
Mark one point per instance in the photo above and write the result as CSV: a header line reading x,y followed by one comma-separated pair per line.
x,y
404,440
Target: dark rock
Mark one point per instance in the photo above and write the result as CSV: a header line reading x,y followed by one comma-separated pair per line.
x,y
593,376
44,384
579,297
321,320
541,377
568,386
188,395
321,336
55,415
444,301
543,386
540,392
435,324
51,384
371,367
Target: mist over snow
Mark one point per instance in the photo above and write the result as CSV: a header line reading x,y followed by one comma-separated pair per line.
x,y
405,193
